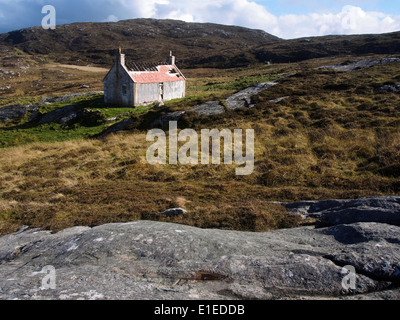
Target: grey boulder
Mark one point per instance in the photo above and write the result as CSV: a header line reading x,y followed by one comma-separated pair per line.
x,y
174,212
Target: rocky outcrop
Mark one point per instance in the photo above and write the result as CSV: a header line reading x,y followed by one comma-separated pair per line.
x,y
166,118
61,116
152,260
279,99
70,96
174,212
66,115
209,108
120,126
11,113
335,212
393,88
360,64
242,98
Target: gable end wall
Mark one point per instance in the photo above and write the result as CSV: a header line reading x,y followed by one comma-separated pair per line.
x,y
113,87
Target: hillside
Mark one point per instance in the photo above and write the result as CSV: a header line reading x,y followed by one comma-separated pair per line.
x,y
143,40
194,44
329,46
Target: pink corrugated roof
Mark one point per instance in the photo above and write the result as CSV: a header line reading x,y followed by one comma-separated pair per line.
x,y
163,75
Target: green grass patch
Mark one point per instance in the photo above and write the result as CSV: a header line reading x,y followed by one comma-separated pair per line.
x,y
239,84
24,131
52,132
6,101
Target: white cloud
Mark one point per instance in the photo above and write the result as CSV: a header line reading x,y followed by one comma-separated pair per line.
x,y
352,19
233,12
179,15
111,18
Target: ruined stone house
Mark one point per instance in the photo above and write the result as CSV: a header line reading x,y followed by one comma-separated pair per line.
x,y
137,84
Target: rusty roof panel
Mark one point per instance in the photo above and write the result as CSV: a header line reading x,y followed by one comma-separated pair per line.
x,y
159,73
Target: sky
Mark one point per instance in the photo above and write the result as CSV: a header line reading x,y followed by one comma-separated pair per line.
x,y
287,19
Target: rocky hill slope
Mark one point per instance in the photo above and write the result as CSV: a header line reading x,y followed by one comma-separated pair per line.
x,y
142,40
329,46
151,260
195,44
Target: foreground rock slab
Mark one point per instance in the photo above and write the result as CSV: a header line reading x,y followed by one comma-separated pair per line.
x,y
152,260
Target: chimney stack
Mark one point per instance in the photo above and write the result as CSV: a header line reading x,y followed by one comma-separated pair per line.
x,y
171,59
120,57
